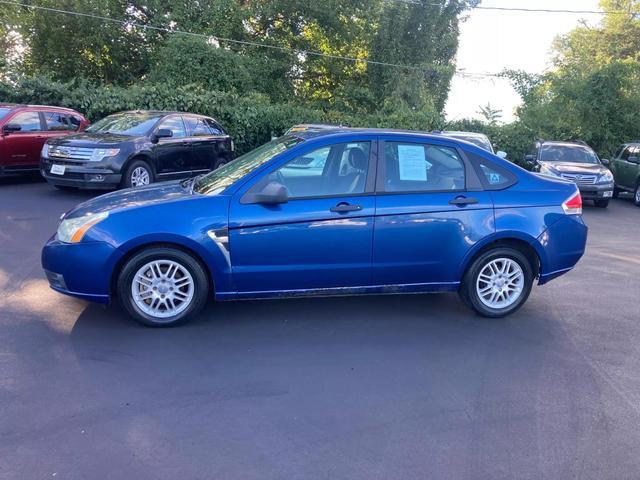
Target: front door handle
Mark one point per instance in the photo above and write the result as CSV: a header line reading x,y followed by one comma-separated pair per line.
x,y
345,207
462,201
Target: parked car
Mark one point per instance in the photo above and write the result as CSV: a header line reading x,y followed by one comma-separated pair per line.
x,y
626,170
389,212
577,162
133,149
478,139
25,128
306,127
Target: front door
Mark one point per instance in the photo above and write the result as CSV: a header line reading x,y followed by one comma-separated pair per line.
x,y
24,146
174,156
427,216
321,238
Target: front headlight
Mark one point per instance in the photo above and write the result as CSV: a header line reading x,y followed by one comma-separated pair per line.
x,y
99,153
71,230
606,177
45,151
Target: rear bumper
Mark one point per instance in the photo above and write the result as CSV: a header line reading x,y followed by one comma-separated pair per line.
x,y
563,244
81,270
81,176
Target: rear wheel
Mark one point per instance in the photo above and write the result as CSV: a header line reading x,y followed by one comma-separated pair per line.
x,y
616,192
220,162
137,174
498,282
636,195
162,287
602,203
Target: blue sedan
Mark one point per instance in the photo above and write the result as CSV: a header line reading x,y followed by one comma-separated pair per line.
x,y
331,212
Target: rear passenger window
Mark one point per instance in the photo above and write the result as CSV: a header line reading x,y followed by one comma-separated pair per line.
x,y
58,122
492,176
197,127
416,167
214,127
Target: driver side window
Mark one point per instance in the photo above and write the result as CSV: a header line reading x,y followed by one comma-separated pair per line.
x,y
333,170
176,125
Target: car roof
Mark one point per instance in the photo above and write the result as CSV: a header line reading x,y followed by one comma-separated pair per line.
x,y
565,143
459,133
309,134
20,105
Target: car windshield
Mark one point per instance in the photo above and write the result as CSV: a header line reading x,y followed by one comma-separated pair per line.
x,y
216,181
568,153
132,124
4,111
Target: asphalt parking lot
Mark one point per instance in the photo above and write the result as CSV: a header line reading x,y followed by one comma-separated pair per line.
x,y
379,387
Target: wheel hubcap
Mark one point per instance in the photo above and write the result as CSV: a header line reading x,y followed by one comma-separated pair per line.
x,y
139,177
500,283
162,288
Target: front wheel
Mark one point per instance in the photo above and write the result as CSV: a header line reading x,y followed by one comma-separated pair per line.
x,y
498,282
162,287
602,203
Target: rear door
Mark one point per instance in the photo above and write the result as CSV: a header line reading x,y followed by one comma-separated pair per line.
x,y
174,155
431,209
24,146
205,142
322,237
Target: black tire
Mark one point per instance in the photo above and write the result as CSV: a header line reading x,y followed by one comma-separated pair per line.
x,y
636,195
127,180
185,260
601,203
468,292
220,162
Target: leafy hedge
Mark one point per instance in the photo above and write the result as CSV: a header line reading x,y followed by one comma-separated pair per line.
x,y
251,119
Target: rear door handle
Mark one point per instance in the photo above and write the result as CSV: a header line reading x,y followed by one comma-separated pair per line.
x,y
462,201
345,207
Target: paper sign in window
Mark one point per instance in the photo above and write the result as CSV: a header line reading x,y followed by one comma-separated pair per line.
x,y
413,163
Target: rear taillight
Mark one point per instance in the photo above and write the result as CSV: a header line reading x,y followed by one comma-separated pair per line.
x,y
573,205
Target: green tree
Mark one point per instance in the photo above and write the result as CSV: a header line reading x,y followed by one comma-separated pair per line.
x,y
490,115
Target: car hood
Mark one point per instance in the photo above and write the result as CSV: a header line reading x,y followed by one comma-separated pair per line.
x,y
132,198
90,139
578,168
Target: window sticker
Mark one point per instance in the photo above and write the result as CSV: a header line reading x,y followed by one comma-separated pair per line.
x,y
413,162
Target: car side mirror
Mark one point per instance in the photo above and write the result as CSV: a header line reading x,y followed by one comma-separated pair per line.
x,y
501,154
633,159
605,161
11,128
273,193
161,133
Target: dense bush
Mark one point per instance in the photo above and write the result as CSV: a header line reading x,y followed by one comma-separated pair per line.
x,y
251,119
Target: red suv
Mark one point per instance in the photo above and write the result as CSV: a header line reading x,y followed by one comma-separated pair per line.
x,y
25,128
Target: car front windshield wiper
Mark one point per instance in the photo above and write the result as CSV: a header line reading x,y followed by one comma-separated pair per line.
x,y
194,180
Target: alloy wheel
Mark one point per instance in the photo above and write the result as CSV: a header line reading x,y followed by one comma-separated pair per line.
x,y
162,288
500,283
140,177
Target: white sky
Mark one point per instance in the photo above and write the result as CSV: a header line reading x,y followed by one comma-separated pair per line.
x,y
493,40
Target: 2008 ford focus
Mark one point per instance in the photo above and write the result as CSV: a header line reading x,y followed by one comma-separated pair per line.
x,y
336,211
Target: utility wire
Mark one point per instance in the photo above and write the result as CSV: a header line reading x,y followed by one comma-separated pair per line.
x,y
522,9
243,42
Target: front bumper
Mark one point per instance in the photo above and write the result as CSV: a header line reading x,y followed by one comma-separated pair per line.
x,y
82,269
596,192
80,175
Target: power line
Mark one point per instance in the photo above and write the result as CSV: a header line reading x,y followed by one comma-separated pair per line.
x,y
522,9
241,42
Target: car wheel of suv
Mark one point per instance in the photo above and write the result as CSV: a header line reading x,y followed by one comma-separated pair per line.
x,y
219,163
616,192
162,287
498,282
636,195
138,174
601,203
